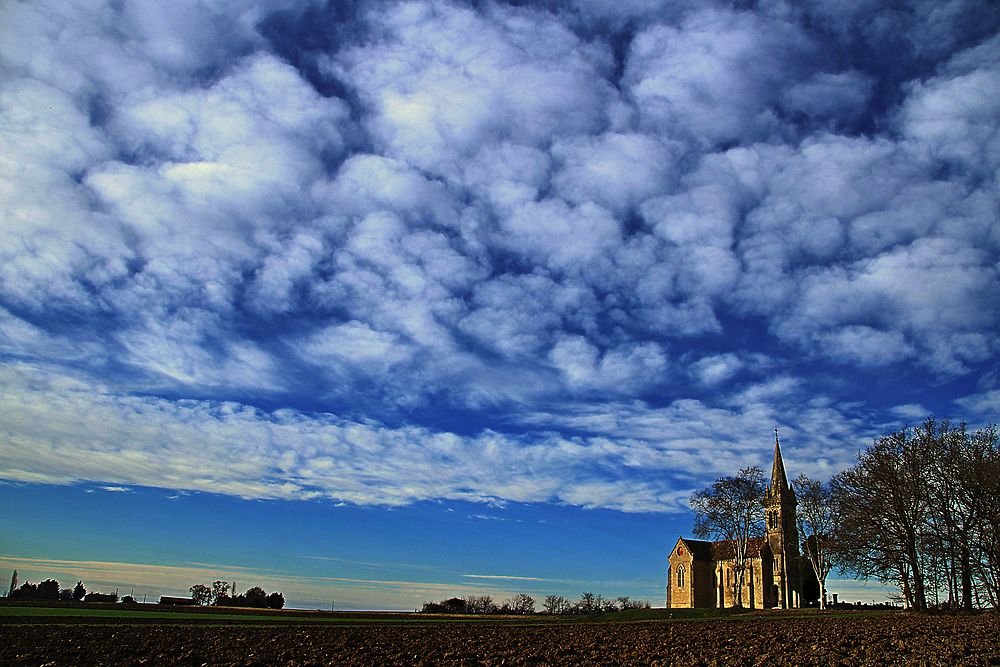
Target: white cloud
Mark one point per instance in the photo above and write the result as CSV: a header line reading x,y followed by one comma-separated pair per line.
x,y
716,77
835,98
617,171
437,96
234,449
716,368
575,201
954,113
624,368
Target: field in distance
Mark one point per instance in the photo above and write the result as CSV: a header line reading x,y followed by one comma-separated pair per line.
x,y
650,637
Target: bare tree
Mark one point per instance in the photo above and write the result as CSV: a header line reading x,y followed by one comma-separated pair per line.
x,y
555,604
816,520
921,508
522,603
883,515
984,483
587,603
730,510
480,604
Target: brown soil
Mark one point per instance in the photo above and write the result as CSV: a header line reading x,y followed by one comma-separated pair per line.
x,y
895,639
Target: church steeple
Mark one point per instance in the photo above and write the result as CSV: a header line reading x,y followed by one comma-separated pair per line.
x,y
782,534
778,480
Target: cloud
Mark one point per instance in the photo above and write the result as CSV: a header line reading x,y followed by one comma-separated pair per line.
x,y
436,97
715,78
716,368
625,462
617,171
598,219
953,113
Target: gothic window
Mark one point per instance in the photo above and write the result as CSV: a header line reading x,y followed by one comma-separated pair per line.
x,y
680,576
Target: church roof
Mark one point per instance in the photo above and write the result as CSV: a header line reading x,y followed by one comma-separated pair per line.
x,y
700,549
726,549
723,549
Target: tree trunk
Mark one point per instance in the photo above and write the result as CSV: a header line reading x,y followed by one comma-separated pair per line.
x,y
966,579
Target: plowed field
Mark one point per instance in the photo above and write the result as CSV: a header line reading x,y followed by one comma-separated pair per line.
x,y
891,639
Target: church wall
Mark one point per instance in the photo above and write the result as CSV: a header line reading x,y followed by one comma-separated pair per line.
x,y
681,596
753,591
704,594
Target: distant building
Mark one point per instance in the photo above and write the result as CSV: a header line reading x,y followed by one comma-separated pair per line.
x,y
169,600
701,573
100,597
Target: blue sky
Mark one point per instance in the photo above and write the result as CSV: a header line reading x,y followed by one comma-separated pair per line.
x,y
380,302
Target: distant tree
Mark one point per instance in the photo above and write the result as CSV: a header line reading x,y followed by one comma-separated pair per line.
x,y
220,589
275,601
522,603
479,604
256,597
48,590
624,603
555,604
79,592
455,606
27,591
128,599
65,594
13,585
730,510
816,520
201,594
587,603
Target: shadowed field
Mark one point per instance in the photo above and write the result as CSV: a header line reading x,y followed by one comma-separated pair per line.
x,y
652,638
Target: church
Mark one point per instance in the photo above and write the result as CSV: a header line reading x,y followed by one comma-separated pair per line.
x,y
701,573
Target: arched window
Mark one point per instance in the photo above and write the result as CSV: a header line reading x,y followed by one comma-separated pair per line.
x,y
680,576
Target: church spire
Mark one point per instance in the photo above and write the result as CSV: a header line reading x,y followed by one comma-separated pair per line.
x,y
778,480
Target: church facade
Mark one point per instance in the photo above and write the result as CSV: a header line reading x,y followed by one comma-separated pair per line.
x,y
702,573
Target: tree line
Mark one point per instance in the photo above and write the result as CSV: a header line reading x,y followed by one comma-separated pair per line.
x,y
522,603
221,594
920,510
50,590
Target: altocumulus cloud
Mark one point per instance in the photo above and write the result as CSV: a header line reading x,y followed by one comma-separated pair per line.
x,y
565,252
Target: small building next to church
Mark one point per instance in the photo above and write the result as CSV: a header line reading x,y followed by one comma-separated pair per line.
x,y
701,573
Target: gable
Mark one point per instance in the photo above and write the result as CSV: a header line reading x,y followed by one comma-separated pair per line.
x,y
692,549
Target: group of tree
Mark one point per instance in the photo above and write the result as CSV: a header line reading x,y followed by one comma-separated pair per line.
x,y
50,590
920,509
522,603
589,603
221,594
